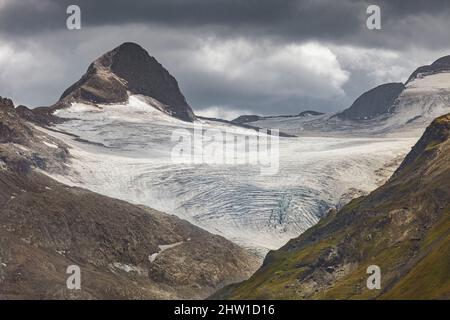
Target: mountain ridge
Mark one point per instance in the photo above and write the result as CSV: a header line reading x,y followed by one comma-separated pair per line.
x,y
252,117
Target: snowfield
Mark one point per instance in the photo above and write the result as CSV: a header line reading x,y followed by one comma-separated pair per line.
x,y
124,151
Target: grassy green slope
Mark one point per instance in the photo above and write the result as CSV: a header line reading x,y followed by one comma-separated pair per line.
x,y
403,227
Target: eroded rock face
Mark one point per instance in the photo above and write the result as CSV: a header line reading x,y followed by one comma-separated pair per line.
x,y
129,69
23,147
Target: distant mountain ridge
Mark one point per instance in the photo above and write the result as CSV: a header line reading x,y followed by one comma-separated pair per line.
x,y
252,118
382,99
393,109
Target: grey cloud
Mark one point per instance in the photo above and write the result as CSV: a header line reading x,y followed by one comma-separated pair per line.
x,y
292,20
47,58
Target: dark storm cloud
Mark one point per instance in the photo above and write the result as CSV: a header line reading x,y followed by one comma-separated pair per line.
x,y
338,21
265,56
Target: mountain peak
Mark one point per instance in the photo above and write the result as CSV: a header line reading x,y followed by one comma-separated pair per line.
x,y
6,103
129,69
130,46
373,103
126,52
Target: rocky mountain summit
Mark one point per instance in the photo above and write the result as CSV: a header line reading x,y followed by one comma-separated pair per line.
x,y
440,65
124,251
403,227
128,69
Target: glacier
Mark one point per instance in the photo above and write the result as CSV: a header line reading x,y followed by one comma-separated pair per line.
x,y
124,151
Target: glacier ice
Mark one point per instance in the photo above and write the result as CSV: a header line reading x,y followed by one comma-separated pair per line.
x,y
123,151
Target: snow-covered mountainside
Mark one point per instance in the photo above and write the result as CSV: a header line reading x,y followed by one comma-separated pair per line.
x,y
425,98
124,151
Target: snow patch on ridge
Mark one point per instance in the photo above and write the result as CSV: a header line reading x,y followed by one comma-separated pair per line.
x,y
162,248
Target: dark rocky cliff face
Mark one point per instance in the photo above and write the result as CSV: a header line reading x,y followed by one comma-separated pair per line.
x,y
129,68
373,103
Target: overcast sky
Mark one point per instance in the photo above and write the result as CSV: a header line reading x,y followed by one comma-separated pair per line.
x,y
230,57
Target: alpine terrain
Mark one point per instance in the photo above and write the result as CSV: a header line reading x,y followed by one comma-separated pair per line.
x,y
121,147
93,180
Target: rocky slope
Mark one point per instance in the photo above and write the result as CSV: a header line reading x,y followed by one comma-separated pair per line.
x,y
124,251
373,103
128,69
403,227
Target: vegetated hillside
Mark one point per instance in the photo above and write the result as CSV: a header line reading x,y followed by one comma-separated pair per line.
x,y
403,227
46,226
